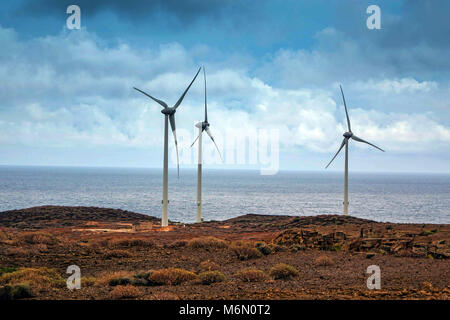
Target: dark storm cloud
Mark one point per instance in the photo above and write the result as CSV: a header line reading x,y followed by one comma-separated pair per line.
x,y
425,21
185,11
408,23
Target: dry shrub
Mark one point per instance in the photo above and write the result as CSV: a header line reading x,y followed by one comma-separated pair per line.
x,y
40,278
17,252
104,278
164,296
324,261
207,243
100,243
251,275
37,238
172,276
245,251
116,253
19,291
177,244
88,281
263,248
209,265
3,237
41,248
125,292
283,271
129,243
7,270
209,277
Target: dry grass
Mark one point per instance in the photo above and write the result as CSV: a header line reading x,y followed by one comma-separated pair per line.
x,y
283,271
172,276
209,277
88,281
251,275
39,278
37,238
4,238
324,261
178,244
42,248
116,253
207,243
164,296
17,252
104,278
209,265
245,250
125,292
129,243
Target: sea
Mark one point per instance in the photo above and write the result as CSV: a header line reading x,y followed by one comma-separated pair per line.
x,y
384,197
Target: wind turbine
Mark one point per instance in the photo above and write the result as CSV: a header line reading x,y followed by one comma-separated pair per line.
x,y
347,136
202,126
169,116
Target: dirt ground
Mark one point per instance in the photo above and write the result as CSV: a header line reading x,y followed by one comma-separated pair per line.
x,y
413,258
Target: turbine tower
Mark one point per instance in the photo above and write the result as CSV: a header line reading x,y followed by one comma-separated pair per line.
x,y
169,116
202,126
347,136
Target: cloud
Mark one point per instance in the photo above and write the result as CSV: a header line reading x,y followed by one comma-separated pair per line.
x,y
72,91
398,85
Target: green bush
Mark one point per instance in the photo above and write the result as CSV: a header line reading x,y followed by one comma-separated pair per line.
x,y
209,277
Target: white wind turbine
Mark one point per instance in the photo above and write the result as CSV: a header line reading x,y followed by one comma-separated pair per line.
x,y
347,136
169,115
202,126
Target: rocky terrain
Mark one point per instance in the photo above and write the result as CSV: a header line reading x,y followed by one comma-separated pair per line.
x,y
126,255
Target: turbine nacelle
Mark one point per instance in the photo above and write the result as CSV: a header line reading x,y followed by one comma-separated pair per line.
x,y
348,134
203,125
168,111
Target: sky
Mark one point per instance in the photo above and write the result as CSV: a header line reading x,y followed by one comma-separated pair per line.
x,y
66,96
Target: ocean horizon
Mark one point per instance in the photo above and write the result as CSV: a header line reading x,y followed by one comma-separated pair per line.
x,y
384,197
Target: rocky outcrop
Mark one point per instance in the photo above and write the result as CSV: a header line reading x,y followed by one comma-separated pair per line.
x,y
367,241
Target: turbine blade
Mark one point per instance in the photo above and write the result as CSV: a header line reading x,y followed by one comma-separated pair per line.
x,y
340,148
206,107
185,91
346,112
364,141
172,126
195,140
210,135
157,100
